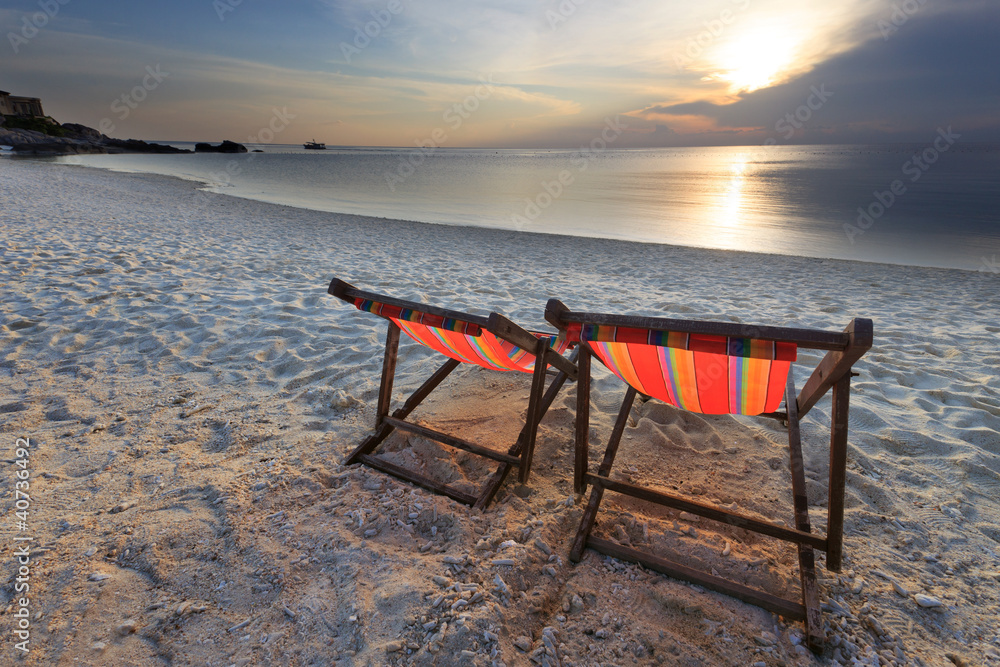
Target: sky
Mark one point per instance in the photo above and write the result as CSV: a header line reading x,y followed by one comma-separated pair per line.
x,y
514,73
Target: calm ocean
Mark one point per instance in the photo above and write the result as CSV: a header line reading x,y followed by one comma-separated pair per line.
x,y
936,204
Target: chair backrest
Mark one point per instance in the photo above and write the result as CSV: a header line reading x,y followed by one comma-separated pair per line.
x,y
465,341
461,336
695,372
712,367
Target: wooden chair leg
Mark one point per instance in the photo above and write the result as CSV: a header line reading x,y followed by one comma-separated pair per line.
x,y
590,514
369,444
533,416
384,430
388,373
807,558
384,396
838,473
582,421
497,479
586,524
538,404
616,433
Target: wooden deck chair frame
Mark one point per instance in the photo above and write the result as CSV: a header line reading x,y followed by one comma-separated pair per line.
x,y
833,372
518,455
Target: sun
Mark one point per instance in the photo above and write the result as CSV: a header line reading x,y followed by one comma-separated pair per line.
x,y
755,60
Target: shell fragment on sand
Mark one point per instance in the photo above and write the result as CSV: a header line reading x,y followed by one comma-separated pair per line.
x,y
927,601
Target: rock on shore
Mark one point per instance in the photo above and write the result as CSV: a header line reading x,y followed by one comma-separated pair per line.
x,y
56,147
78,139
225,147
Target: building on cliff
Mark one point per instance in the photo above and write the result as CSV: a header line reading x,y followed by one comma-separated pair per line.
x,y
14,105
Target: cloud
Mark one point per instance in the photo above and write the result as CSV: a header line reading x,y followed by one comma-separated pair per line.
x,y
204,97
561,67
935,68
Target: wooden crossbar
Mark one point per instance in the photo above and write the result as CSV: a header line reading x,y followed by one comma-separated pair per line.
x,y
709,512
816,339
778,605
418,479
452,441
349,293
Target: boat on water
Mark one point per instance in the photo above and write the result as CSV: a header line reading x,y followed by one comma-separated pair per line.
x,y
314,145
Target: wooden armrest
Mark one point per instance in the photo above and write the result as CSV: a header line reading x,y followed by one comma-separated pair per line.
x,y
513,333
349,293
835,364
339,288
554,310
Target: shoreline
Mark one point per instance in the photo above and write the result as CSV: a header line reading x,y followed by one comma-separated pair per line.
x,y
189,390
220,189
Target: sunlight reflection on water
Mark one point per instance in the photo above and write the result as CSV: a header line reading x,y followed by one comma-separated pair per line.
x,y
781,199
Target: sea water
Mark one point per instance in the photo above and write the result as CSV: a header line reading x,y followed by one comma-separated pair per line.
x,y
935,204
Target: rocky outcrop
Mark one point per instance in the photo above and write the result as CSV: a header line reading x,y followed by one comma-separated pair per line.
x,y
137,146
225,147
77,140
15,136
83,133
58,148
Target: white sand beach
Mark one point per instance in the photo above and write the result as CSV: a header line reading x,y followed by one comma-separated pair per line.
x,y
189,390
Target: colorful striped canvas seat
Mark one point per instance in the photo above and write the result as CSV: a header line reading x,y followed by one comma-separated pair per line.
x,y
463,341
695,372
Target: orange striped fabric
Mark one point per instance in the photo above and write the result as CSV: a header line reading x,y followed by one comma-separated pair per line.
x,y
698,373
465,341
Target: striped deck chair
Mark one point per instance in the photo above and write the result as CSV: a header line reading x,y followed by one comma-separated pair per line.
x,y
718,368
494,343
